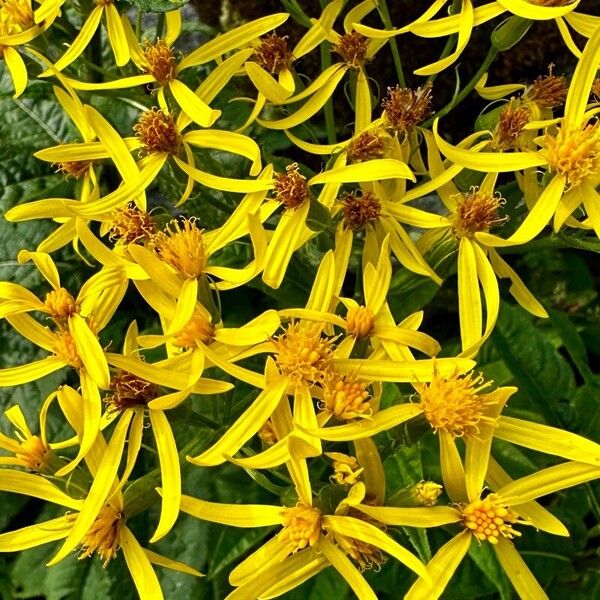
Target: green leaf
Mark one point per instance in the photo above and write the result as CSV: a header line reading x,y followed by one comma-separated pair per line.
x,y
485,559
572,342
540,372
158,6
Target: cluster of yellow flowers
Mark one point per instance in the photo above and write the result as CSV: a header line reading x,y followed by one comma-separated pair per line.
x,y
317,370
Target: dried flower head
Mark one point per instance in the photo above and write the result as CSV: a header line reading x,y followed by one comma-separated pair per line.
x,y
405,107
273,54
352,47
360,210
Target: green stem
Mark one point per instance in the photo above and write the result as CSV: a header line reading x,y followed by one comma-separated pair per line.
x,y
387,21
458,98
138,25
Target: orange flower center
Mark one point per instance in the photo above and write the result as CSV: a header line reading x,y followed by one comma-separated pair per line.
x,y
64,347
511,123
131,225
366,146
489,520
157,132
160,61
33,454
181,245
405,107
104,536
360,321
15,16
455,404
301,526
346,397
61,305
303,353
75,168
197,329
476,211
574,153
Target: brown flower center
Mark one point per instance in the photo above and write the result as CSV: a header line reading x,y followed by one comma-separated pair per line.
x,y
273,54
291,188
367,145
129,391
352,47
476,211
360,210
405,107
159,61
157,132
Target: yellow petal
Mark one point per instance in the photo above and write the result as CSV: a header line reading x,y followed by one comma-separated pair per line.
x,y
365,532
236,515
142,573
528,10
247,424
157,270
240,36
489,162
82,40
368,457
172,26
517,288
322,288
90,351
319,30
441,568
453,473
19,482
91,408
16,68
269,87
343,565
273,456
45,265
192,106
283,244
548,439
116,35
311,106
99,490
540,518
35,535
465,27
117,84
226,184
170,473
371,170
518,572
547,481
433,516
174,565
30,372
411,371
227,141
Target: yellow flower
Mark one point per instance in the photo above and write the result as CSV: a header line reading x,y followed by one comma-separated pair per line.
x,y
492,518
457,406
355,51
114,28
158,63
102,531
309,541
463,22
571,154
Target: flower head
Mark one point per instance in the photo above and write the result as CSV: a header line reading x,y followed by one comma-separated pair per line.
x,y
455,404
159,61
367,145
157,132
574,153
301,526
346,397
131,225
61,305
273,54
548,91
128,391
303,353
352,47
360,210
489,520
291,188
104,536
476,211
405,107
198,329
181,246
